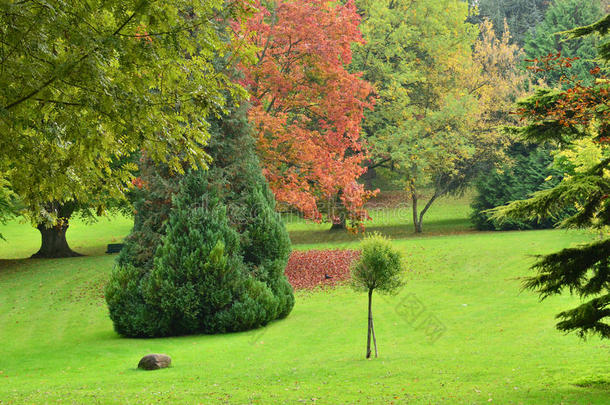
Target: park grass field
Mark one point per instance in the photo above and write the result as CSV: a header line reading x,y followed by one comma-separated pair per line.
x,y
460,331
449,215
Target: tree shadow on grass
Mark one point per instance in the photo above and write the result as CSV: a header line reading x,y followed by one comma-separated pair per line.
x,y
9,266
6,265
403,231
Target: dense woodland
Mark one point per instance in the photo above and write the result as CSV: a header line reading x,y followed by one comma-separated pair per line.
x,y
413,91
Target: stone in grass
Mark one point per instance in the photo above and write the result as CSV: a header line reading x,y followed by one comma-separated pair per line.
x,y
154,361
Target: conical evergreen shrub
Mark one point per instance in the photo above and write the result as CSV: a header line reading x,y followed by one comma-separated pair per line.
x,y
130,313
221,249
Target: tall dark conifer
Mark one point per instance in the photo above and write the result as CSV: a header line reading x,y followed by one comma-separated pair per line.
x,y
581,112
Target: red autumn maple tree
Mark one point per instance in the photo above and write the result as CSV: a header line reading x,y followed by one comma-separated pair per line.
x,y
307,108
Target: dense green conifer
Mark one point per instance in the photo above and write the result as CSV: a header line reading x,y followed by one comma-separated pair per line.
x,y
567,117
208,251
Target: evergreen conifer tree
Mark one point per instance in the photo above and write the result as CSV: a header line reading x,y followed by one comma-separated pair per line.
x,y
563,15
208,251
529,170
581,112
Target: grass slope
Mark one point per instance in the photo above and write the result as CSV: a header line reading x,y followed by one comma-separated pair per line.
x,y
497,343
448,215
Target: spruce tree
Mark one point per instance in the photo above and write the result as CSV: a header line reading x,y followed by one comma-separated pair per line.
x,y
521,16
529,170
581,112
563,15
208,251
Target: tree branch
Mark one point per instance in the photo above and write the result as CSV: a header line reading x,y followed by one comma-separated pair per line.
x,y
75,63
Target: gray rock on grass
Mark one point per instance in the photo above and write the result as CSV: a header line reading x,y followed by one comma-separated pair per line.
x,y
154,361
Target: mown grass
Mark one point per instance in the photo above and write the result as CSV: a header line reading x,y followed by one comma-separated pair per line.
x,y
492,342
22,240
448,215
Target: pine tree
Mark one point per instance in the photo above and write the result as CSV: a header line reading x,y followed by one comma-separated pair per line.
x,y
529,170
579,113
521,16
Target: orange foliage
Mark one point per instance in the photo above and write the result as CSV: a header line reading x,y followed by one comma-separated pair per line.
x,y
306,107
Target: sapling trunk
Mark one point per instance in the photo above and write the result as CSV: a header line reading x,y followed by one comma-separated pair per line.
x,y
370,325
378,269
374,338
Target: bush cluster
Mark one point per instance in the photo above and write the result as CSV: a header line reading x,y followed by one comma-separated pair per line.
x,y
379,266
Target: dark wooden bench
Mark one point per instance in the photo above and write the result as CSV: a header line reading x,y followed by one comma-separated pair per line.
x,y
114,247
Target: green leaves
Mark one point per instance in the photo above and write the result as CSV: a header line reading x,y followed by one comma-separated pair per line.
x,y
84,87
415,53
563,15
577,117
378,267
584,271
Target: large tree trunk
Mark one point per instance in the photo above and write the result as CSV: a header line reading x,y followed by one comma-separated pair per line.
x,y
54,243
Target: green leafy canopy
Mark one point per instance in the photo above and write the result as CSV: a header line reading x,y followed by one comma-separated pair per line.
x,y
85,85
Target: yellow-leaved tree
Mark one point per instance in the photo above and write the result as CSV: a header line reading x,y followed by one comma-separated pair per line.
x,y
442,91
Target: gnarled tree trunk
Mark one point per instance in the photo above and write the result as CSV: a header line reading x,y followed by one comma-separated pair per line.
x,y
54,243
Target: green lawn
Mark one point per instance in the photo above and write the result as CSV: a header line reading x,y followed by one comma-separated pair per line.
x,y
492,342
448,215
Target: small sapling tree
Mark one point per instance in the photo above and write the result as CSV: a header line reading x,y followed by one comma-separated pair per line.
x,y
378,269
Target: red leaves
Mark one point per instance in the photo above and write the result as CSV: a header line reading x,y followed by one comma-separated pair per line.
x,y
142,34
306,106
312,268
552,61
137,182
575,107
